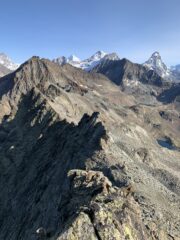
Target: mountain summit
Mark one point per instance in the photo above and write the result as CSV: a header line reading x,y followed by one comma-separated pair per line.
x,y
73,58
156,63
89,63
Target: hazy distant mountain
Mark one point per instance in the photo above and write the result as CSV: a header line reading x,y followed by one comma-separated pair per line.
x,y
4,70
176,72
89,63
176,68
7,62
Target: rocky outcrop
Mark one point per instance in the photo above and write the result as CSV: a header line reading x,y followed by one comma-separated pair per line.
x,y
97,210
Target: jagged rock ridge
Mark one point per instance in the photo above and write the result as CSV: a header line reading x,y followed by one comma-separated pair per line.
x,y
60,118
92,219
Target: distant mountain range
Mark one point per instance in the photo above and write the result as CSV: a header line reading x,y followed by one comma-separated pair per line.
x,y
89,63
154,63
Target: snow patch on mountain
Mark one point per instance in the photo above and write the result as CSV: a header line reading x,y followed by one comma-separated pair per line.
x,y
73,58
7,62
89,63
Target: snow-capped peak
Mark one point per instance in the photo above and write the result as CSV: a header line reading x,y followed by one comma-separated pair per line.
x,y
156,55
89,63
155,63
7,62
98,55
73,58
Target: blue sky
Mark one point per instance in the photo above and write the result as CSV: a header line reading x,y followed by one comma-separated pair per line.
x,y
50,28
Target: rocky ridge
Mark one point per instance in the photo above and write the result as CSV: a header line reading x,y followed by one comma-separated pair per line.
x,y
140,81
106,212
57,119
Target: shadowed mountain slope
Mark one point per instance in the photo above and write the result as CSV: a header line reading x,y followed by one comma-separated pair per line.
x,y
124,72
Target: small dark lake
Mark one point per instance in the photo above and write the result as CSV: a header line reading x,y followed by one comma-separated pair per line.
x,y
166,143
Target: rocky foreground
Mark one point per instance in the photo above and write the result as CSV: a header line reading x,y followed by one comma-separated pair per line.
x,y
97,210
82,159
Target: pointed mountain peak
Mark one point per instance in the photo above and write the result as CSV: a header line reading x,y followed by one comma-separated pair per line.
x,y
156,55
73,58
156,63
89,63
98,55
155,60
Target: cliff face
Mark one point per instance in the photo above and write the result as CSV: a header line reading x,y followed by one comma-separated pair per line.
x,y
55,120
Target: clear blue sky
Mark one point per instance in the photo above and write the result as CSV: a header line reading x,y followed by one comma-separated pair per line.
x,y
50,28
